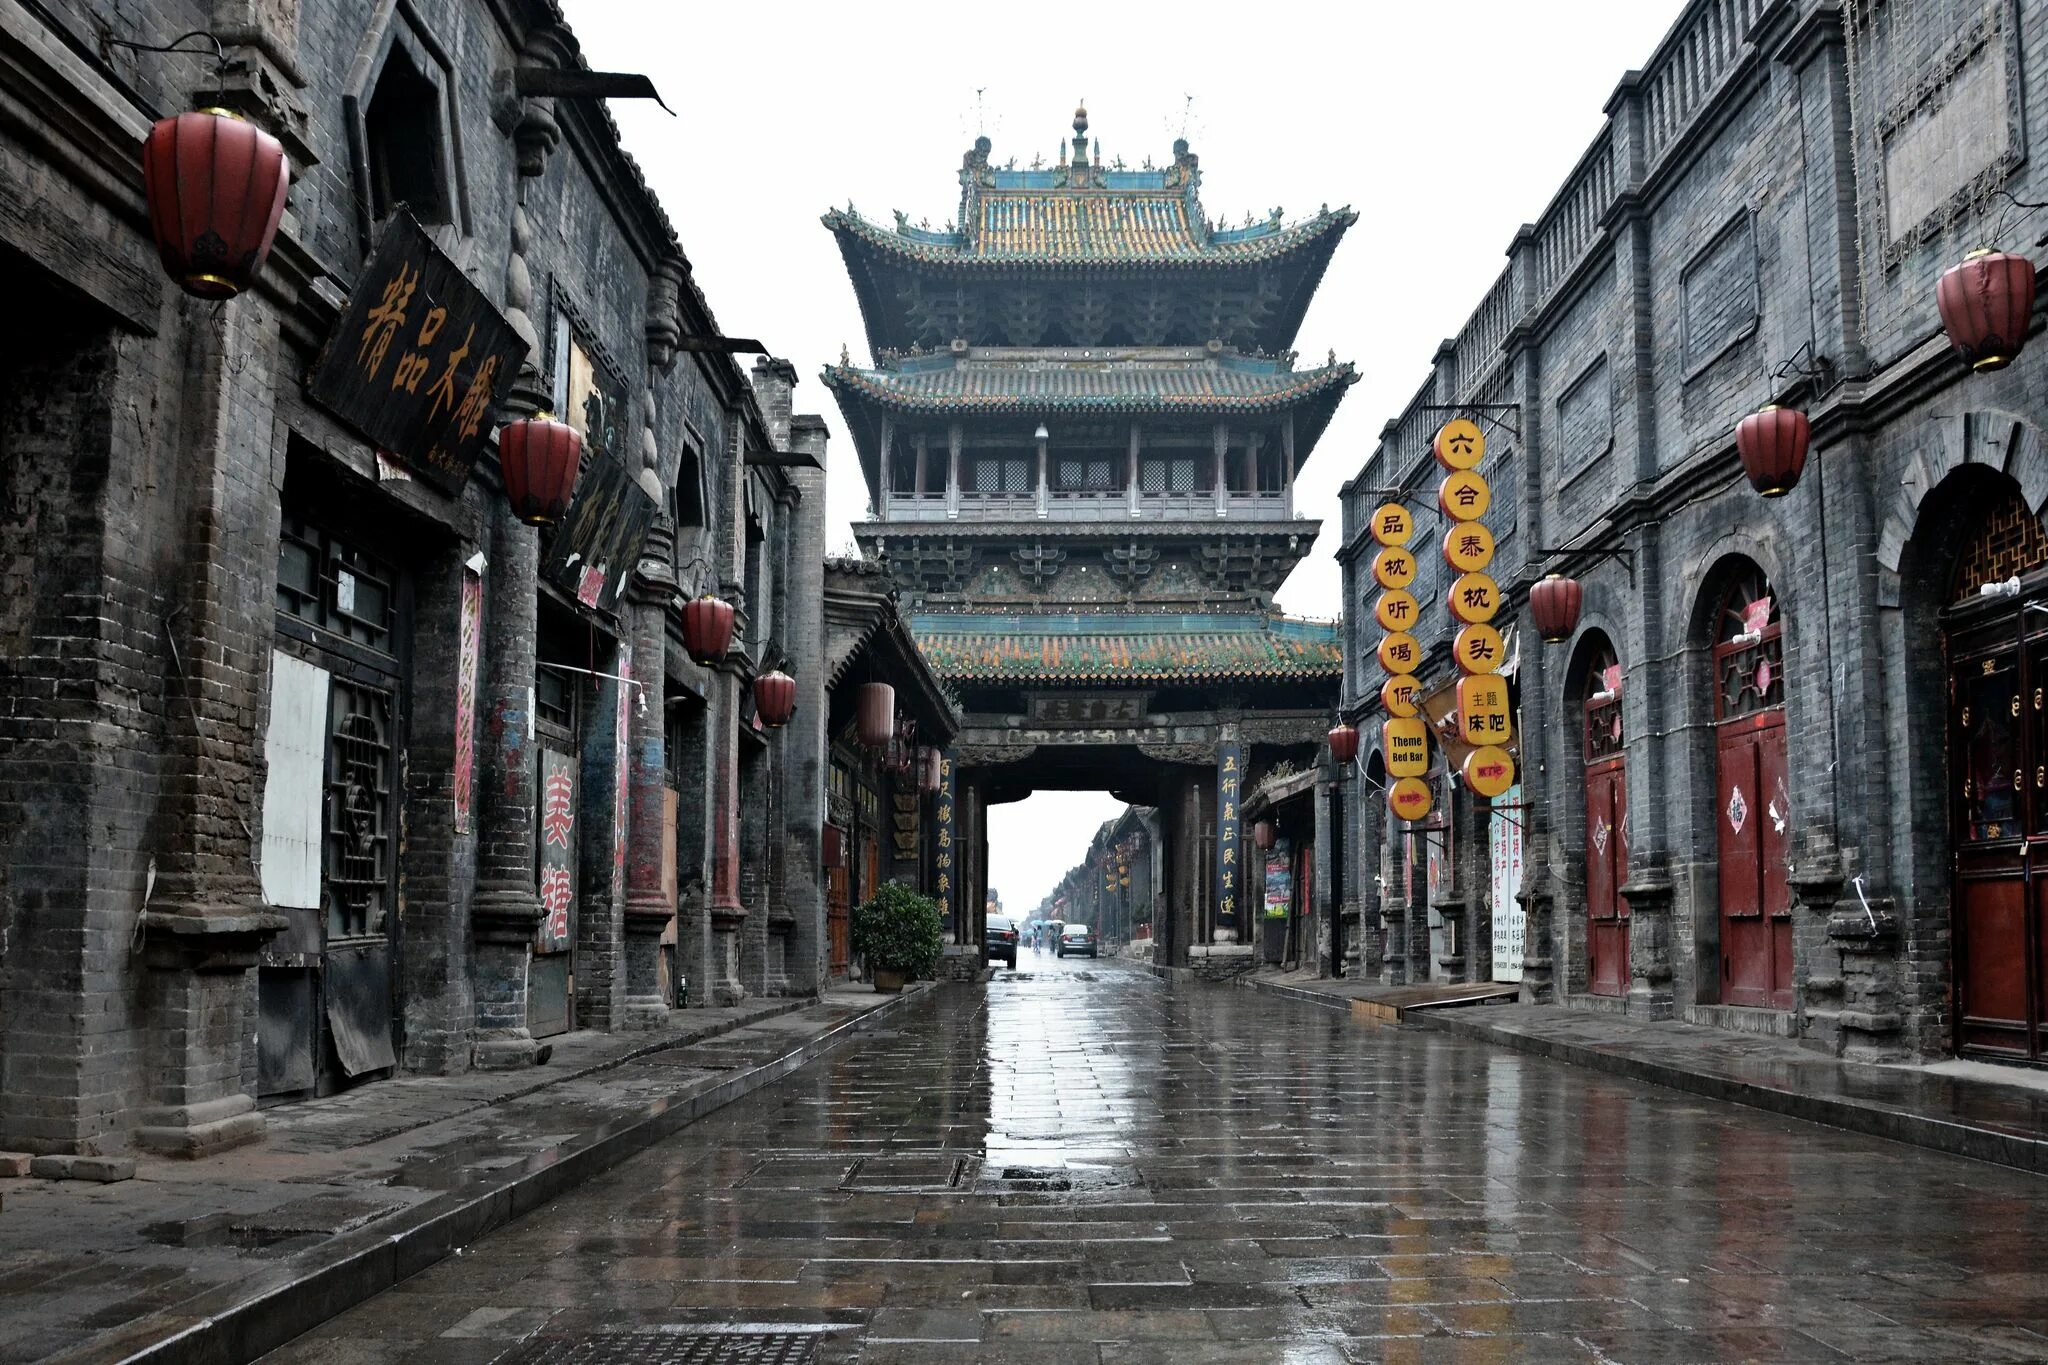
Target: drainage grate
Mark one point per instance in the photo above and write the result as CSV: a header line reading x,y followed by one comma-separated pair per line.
x,y
671,1348
907,1174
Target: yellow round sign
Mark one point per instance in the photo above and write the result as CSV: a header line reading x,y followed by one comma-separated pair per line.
x,y
1488,771
1460,444
1401,695
1409,799
1397,609
1477,649
1468,547
1474,597
1392,524
1393,567
1464,496
1400,652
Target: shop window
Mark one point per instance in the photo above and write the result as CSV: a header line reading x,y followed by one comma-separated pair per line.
x,y
403,141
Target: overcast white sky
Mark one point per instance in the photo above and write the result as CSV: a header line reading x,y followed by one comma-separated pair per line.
x,y
1444,124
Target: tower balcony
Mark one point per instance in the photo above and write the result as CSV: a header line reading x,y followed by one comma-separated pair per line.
x,y
1230,505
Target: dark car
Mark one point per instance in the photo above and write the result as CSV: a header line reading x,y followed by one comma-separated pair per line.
x,y
1076,939
1000,940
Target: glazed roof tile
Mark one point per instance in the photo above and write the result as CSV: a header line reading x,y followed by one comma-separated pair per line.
x,y
1206,386
1127,647
1063,227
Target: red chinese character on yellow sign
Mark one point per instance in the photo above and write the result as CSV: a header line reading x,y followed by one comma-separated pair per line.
x,y
1468,547
1488,771
1409,799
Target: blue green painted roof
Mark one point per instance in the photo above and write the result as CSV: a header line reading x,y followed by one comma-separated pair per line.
x,y
1118,647
1229,384
1094,226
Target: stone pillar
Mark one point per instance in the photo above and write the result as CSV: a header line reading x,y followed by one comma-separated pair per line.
x,y
506,909
1131,468
1044,480
1219,437
203,925
1287,464
647,907
1650,895
722,984
1394,909
922,457
884,482
804,741
953,470
757,815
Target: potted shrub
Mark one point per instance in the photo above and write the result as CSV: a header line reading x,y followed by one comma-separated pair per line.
x,y
900,934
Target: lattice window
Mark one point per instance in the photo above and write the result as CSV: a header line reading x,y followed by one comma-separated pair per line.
x,y
1183,476
359,809
330,584
2008,542
1749,656
1603,707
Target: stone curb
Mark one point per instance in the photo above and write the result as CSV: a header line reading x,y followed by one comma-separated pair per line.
x,y
238,1322
2016,1150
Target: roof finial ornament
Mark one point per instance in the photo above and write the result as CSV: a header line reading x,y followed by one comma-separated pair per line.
x,y
846,357
1081,117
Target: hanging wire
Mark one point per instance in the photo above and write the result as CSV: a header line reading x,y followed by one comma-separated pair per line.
x,y
177,44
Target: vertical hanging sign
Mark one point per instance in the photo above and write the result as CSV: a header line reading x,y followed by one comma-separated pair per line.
x,y
1483,719
620,750
1229,845
471,633
942,840
1404,741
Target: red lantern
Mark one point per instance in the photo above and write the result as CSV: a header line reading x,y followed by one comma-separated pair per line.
x,y
875,714
834,852
775,698
1264,835
1985,305
1772,444
215,184
707,629
1554,604
1344,743
540,457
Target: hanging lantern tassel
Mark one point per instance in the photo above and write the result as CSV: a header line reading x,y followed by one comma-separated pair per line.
x,y
1554,606
775,698
1772,444
215,184
707,629
875,714
1986,303
539,457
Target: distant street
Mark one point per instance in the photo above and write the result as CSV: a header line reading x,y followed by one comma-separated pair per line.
x,y
1080,1164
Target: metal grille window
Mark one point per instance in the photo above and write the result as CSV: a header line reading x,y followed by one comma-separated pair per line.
x,y
554,697
1152,477
334,586
1002,476
359,809
1183,476
1087,476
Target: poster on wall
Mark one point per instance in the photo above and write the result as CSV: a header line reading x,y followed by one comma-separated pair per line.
x,y
1279,890
557,880
1510,920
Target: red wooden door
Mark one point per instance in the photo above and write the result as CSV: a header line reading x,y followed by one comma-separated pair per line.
x,y
1752,809
1606,874
1752,800
1999,889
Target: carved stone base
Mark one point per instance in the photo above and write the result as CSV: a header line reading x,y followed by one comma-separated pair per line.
x,y
199,968
643,1007
502,923
1650,993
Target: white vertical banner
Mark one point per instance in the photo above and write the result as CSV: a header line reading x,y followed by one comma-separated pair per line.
x,y
1510,920
295,750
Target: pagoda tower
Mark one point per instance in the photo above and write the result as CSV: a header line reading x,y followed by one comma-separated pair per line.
x,y
1080,433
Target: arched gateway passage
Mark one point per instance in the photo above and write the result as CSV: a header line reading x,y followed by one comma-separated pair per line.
x,y
1080,433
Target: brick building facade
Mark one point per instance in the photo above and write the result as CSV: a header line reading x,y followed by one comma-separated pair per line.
x,y
1759,786
314,767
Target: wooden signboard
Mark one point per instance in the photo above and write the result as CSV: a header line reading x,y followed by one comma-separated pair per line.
x,y
419,358
597,546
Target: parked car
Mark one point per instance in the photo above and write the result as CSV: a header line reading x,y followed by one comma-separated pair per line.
x,y
999,940
1076,939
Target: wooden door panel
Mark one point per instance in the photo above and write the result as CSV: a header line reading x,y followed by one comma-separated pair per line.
x,y
1746,949
1606,863
1991,976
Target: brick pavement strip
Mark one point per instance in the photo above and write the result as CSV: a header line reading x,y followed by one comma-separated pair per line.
x,y
220,1259
1984,1118
1082,1163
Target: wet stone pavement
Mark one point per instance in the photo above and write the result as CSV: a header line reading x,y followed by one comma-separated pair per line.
x,y
1079,1163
